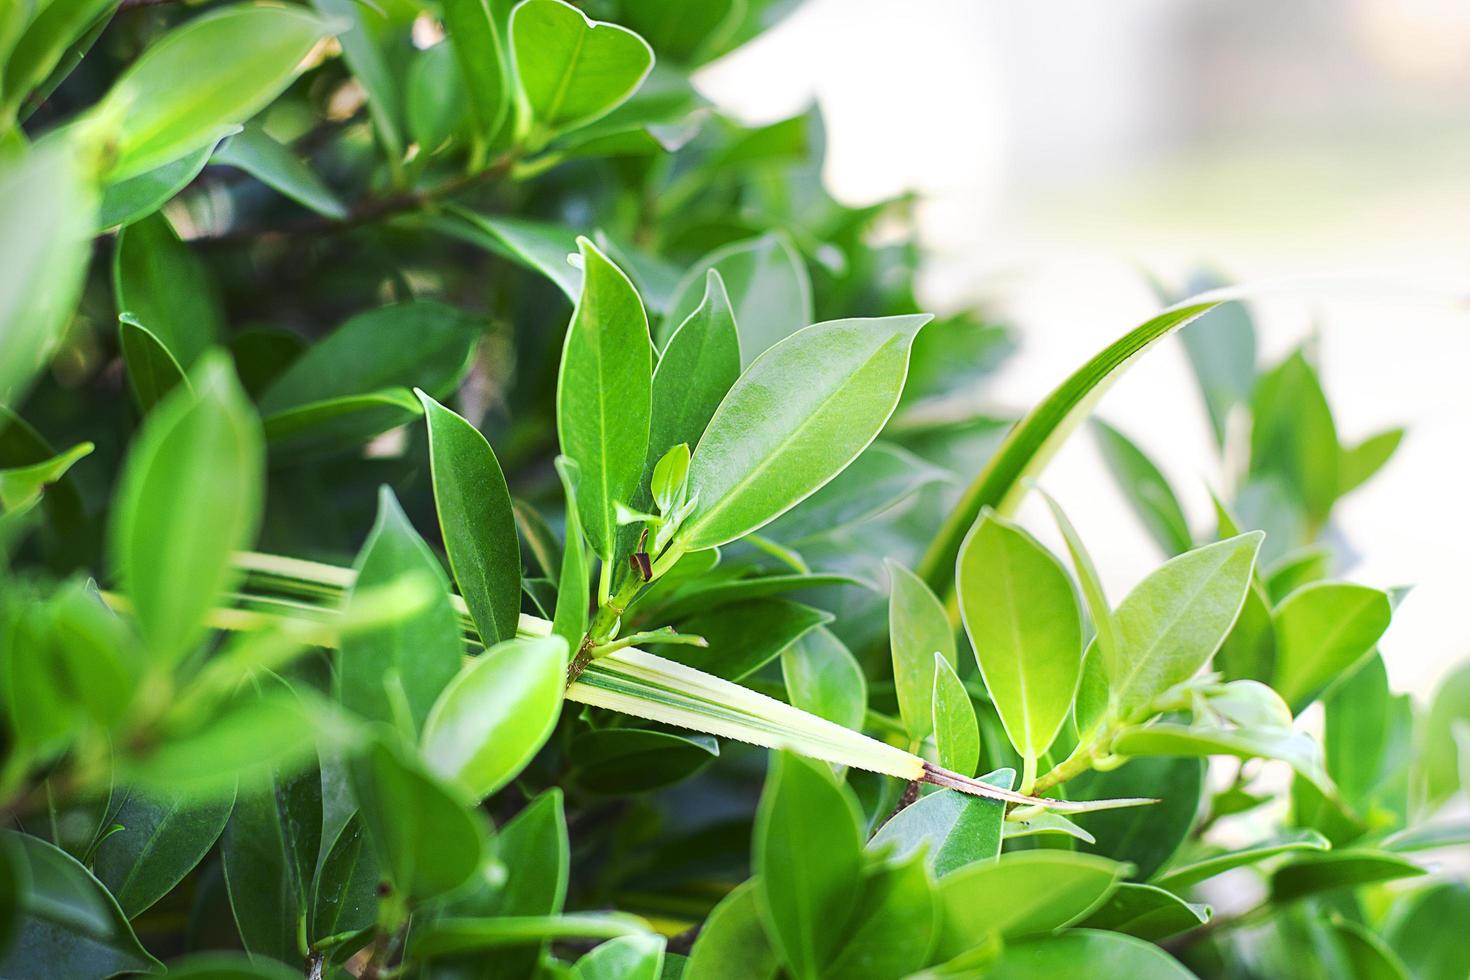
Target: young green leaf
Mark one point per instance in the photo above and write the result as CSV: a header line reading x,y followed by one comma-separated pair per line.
x,y
22,485
637,957
166,289
394,672
604,388
824,678
769,294
1105,627
1293,437
917,630
700,362
807,855
162,839
1322,632
797,417
956,732
189,498
477,521
1148,490
1021,615
238,59
495,714
1175,619
572,69
669,480
572,591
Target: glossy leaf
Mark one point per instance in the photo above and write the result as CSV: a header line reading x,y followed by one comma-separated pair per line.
x,y
1322,632
270,851
344,896
700,361
956,732
806,853
153,371
954,830
162,840
189,499
796,418
824,678
162,285
1146,838
476,520
394,672
478,31
1147,490
238,58
917,630
636,957
537,245
1021,615
894,925
768,292
876,484
572,69
1148,912
604,388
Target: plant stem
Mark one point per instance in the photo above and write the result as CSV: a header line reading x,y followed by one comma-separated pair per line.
x,y
604,623
1074,765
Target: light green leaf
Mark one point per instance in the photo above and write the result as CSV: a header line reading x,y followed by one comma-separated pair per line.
x,y
768,291
337,425
166,289
806,853
1370,957
477,33
604,389
1184,875
162,839
1106,640
20,486
1421,927
1148,912
956,732
69,925
824,678
495,715
572,69
1444,762
41,44
1293,437
700,362
1147,490
237,59
539,246
1167,738
1222,350
451,936
255,152
1045,823
1249,650
1026,893
1021,615
394,672
954,829
635,957
917,630
877,483
477,522
797,417
1322,632
733,943
1356,732
125,201
426,841
894,926
572,591
153,371
1333,870
188,499
45,243
1175,619
228,966
683,33
1033,441
369,30
436,103
1106,954
1358,463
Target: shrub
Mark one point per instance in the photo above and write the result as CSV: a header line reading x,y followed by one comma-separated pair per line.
x,y
427,367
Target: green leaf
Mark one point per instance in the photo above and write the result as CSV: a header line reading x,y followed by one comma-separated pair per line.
x,y
1147,490
450,936
1296,569
426,841
733,944
768,292
1370,956
228,966
1147,838
1175,619
1148,912
539,246
1021,615
1293,437
1025,893
744,636
477,33
69,925
41,46
1428,837
495,714
394,672
166,289
1033,441
806,854
636,957
954,829
1421,928
620,761
824,678
20,486
796,418
153,371
1322,632
894,926
162,839
917,630
604,387
188,499
1106,954
1333,870
476,520
255,152
572,590
875,484
1106,639
1360,462
1296,749
1184,875
270,851
1355,734
956,732
681,33
125,201
1249,650
1222,351
45,244
1446,754
344,895
237,60
1045,823
700,362
572,69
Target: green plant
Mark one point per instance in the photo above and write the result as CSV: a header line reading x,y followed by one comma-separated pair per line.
x,y
251,257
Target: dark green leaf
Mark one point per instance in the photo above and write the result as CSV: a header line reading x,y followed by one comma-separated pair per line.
x,y
1184,875
270,849
635,760
701,360
256,153
894,926
572,590
1148,837
745,636
478,36
162,839
125,201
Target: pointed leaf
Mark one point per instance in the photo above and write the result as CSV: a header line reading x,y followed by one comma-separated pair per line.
x,y
1147,490
1323,631
699,364
956,732
769,293
917,630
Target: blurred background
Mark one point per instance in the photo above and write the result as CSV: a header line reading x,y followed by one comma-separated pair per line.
x,y
1067,152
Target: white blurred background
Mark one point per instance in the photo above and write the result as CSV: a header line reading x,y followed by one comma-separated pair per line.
x,y
1064,147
